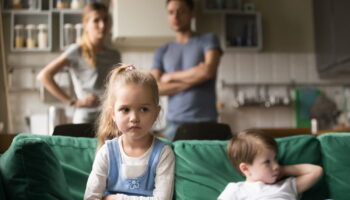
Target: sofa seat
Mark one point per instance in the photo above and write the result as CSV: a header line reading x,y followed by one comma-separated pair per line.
x,y
57,167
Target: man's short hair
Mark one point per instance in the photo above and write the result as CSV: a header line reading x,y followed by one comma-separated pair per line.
x,y
189,3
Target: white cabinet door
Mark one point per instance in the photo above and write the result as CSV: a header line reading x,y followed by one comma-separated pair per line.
x,y
140,23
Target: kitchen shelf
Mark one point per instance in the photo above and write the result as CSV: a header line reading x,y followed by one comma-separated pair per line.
x,y
291,84
242,31
45,13
25,18
68,17
53,6
220,6
24,5
241,27
260,94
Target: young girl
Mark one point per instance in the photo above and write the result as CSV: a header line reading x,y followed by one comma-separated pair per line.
x,y
130,163
254,155
89,63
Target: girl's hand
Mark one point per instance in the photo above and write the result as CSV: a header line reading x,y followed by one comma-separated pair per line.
x,y
90,100
110,197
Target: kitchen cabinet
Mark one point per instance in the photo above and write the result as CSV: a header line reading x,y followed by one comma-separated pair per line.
x,y
140,23
32,23
217,6
29,40
242,31
241,28
23,5
332,37
70,27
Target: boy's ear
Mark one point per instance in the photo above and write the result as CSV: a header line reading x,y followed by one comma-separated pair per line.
x,y
244,169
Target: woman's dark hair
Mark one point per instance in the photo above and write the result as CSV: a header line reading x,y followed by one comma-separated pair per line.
x,y
189,3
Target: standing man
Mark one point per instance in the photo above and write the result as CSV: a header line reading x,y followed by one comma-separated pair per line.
x,y
186,68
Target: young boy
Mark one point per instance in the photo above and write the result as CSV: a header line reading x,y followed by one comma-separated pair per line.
x,y
254,155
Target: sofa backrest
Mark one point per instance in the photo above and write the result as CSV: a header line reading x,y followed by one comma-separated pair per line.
x,y
2,188
336,163
47,167
201,166
57,167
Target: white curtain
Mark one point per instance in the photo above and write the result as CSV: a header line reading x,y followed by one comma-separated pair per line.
x,y
4,103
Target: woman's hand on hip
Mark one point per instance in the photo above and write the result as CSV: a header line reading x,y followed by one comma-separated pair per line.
x,y
90,100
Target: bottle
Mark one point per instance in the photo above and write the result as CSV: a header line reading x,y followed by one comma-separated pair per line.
x,y
314,126
76,4
60,4
16,4
42,36
68,34
19,36
31,36
78,32
33,4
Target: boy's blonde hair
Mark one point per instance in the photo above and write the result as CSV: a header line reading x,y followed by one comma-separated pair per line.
x,y
86,46
119,76
245,145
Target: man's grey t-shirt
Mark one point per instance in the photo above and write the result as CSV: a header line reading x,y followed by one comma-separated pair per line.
x,y
197,103
89,79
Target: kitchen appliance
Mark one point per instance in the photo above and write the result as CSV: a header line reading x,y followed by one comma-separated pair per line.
x,y
57,116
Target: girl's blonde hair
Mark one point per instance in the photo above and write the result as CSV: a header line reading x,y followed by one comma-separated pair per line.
x,y
119,76
86,46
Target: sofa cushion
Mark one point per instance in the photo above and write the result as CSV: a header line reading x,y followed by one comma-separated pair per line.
x,y
336,162
203,166
31,171
303,149
76,155
201,169
72,156
2,185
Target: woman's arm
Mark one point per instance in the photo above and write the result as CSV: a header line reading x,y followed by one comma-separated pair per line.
x,y
306,175
46,77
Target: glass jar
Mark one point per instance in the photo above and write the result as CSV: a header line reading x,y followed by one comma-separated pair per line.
x,y
61,4
33,4
42,36
19,36
78,32
16,4
77,4
69,36
31,36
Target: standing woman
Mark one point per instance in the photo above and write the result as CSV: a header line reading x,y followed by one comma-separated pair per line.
x,y
88,62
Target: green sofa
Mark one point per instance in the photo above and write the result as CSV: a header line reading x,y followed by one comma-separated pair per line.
x,y
57,167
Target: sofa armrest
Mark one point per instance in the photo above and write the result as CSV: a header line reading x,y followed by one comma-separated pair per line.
x,y
30,170
2,189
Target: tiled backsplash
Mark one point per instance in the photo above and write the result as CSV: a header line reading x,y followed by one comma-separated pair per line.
x,y
234,68
261,68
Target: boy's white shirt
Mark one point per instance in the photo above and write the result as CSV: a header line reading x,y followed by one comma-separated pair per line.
x,y
132,167
283,190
